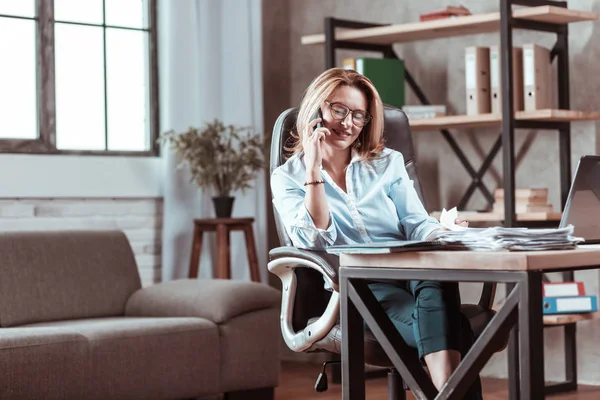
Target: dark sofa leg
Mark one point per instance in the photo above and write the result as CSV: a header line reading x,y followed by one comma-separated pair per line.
x,y
254,394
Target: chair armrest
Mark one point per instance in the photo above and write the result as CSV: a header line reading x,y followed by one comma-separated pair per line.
x,y
284,260
317,260
217,300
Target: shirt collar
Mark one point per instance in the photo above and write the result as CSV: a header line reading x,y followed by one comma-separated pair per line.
x,y
354,156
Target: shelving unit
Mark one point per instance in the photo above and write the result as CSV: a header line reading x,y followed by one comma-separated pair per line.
x,y
537,15
459,26
554,17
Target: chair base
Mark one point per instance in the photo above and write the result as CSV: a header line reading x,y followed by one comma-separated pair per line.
x,y
372,373
395,386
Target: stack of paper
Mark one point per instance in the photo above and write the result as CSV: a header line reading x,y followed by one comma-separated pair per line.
x,y
498,238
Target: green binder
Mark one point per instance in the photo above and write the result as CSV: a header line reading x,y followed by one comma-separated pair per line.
x,y
387,74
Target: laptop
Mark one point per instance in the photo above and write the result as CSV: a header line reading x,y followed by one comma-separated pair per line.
x,y
583,203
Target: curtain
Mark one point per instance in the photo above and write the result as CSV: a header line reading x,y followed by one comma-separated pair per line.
x,y
209,67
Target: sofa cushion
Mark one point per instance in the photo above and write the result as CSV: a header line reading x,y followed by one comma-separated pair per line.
x,y
250,351
147,358
218,300
37,362
48,276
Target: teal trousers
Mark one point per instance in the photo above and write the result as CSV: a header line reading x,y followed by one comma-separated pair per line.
x,y
427,315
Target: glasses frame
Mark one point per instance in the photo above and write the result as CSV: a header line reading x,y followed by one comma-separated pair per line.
x,y
368,117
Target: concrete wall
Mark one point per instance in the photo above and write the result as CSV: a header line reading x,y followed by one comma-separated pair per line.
x,y
438,66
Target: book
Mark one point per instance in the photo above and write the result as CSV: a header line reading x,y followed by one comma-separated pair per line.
x,y
460,10
387,75
423,115
524,193
447,12
561,289
523,207
570,305
388,247
437,108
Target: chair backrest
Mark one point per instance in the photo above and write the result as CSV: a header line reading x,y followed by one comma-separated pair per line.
x,y
397,136
60,275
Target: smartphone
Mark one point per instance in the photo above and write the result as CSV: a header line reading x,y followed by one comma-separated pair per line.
x,y
316,115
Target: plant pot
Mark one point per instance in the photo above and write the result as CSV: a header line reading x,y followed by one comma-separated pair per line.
x,y
223,206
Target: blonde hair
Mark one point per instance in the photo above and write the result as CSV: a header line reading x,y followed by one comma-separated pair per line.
x,y
371,137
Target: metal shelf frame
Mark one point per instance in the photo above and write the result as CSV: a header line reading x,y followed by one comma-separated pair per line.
x,y
505,140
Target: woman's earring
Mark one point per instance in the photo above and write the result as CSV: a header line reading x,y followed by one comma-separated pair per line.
x,y
357,143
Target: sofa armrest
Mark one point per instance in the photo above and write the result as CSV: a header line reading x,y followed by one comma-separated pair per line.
x,y
217,300
284,261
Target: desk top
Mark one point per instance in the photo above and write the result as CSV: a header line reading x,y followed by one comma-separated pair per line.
x,y
479,260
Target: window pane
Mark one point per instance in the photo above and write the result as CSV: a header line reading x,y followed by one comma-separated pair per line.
x,y
127,90
79,87
128,13
18,104
21,8
88,11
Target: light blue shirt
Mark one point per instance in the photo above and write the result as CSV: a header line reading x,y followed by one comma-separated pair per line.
x,y
381,203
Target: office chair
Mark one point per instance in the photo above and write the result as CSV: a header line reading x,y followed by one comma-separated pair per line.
x,y
309,313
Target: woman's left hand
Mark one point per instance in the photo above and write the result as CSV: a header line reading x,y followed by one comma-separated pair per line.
x,y
461,222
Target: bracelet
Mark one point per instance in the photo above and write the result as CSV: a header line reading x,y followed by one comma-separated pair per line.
x,y
313,183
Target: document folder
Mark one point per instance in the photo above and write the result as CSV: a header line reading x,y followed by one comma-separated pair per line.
x,y
395,246
477,76
563,289
570,305
537,77
496,79
386,74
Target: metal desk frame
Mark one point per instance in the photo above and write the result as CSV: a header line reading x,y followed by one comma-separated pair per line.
x,y
526,352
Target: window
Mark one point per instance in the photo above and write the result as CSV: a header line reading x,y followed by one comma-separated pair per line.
x,y
78,77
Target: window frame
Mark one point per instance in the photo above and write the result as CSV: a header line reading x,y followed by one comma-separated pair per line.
x,y
46,100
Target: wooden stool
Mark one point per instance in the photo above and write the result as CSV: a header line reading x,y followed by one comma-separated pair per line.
x,y
223,226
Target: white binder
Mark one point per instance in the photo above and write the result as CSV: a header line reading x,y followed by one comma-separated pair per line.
x,y
496,79
477,74
537,77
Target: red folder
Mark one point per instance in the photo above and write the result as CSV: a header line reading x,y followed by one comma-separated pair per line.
x,y
562,289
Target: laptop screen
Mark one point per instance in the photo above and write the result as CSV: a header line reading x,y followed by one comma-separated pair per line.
x,y
583,204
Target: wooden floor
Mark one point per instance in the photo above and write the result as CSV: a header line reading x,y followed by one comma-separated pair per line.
x,y
298,380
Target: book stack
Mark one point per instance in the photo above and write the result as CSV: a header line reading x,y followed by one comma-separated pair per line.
x,y
447,12
424,111
567,298
526,201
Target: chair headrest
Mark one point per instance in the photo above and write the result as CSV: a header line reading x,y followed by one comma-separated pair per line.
x,y
396,132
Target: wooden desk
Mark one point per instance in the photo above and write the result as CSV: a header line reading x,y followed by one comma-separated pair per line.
x,y
223,226
522,309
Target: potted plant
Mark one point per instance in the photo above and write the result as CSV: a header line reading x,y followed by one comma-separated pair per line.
x,y
224,158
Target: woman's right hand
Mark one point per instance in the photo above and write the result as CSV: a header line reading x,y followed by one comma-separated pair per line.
x,y
311,142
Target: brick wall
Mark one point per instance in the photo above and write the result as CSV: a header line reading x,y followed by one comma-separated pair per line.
x,y
140,219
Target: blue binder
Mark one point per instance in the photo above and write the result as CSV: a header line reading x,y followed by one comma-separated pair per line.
x,y
570,304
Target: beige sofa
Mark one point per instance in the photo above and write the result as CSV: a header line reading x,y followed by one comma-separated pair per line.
x,y
76,324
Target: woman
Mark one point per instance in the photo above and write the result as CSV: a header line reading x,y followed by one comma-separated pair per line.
x,y
342,186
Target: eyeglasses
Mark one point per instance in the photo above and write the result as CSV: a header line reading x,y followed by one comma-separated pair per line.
x,y
340,111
